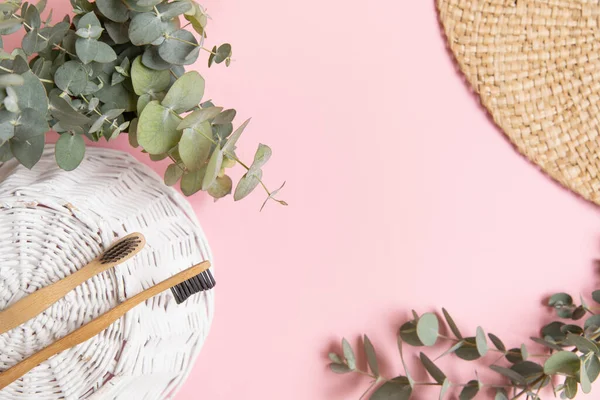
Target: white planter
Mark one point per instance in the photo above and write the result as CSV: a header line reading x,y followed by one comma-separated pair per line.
x,y
52,223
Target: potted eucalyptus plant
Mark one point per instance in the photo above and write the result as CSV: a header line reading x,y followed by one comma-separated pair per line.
x,y
118,66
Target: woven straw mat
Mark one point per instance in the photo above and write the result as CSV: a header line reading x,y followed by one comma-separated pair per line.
x,y
536,67
52,223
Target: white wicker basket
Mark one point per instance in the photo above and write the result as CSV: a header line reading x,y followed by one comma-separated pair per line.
x,y
52,223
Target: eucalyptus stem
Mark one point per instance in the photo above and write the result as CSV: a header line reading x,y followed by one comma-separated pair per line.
x,y
112,122
10,71
20,18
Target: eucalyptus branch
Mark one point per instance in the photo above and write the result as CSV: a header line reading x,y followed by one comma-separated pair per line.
x,y
146,93
573,355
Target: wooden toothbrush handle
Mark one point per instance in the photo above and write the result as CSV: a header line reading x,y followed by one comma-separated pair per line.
x,y
96,326
37,302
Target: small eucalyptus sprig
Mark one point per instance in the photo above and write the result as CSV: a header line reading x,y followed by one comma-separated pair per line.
x,y
571,355
119,66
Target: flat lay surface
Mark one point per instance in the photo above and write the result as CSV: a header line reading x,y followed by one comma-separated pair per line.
x,y
403,195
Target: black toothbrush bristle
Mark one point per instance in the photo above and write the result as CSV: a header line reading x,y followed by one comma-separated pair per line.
x,y
200,283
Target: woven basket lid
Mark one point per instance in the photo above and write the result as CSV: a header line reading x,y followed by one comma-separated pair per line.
x,y
53,222
536,67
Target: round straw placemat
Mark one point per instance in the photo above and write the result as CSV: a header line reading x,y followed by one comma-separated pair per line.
x,y
536,67
53,222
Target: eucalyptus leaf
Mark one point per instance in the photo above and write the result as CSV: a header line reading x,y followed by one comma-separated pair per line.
x,y
199,116
225,117
223,53
560,299
32,93
469,391
118,32
191,182
593,321
157,129
371,355
510,374
335,358
468,351
33,42
70,150
195,146
32,17
247,184
174,9
115,10
432,369
213,168
88,20
71,77
178,47
152,59
30,123
428,329
444,389
186,93
5,152
263,154
145,28
7,127
451,324
173,173
562,362
29,151
339,368
397,389
11,80
221,187
65,114
146,80
570,387
497,342
501,395
229,146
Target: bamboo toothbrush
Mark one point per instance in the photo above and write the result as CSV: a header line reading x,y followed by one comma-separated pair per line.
x,y
97,325
34,304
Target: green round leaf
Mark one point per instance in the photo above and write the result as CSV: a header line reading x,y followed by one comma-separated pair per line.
x,y
186,93
560,299
339,368
553,330
30,123
223,52
152,59
71,77
145,28
470,391
173,174
195,146
70,150
514,355
468,351
531,372
562,362
7,128
32,93
593,321
146,80
157,129
191,182
428,329
28,152
114,10
180,48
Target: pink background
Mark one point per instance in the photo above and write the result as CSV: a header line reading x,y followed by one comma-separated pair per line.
x,y
402,195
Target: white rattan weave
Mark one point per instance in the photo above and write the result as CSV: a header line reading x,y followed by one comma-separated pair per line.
x,y
52,223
